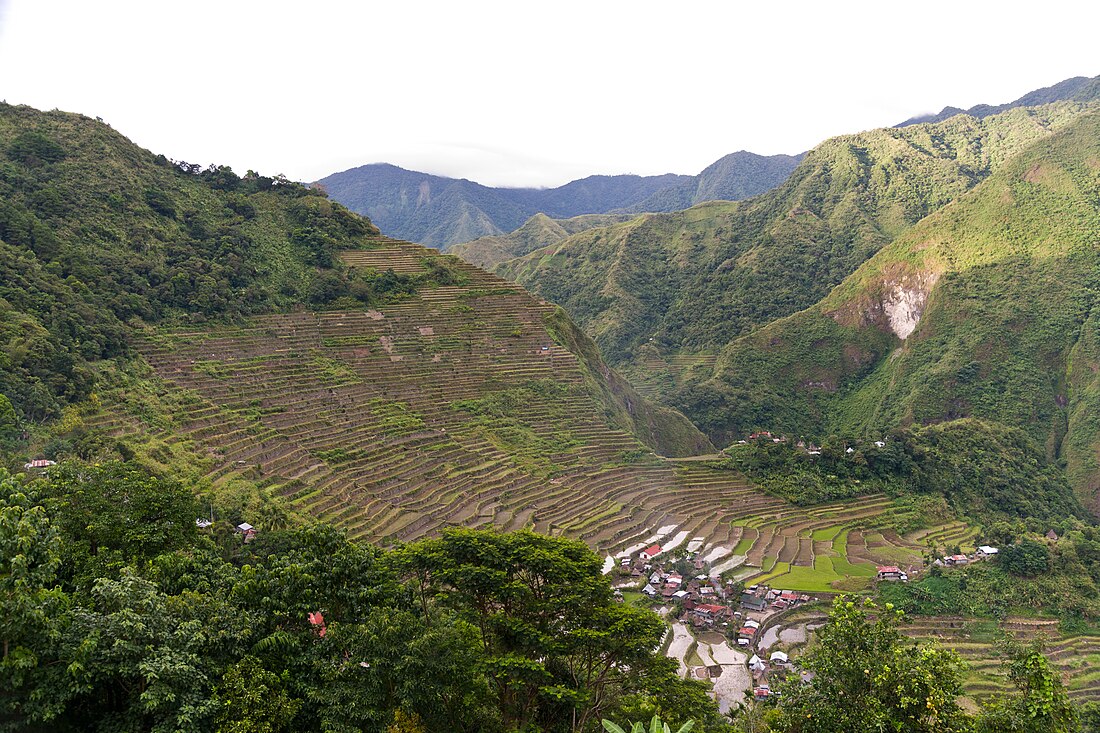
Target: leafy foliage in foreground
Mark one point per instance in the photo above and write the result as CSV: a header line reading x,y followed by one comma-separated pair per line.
x,y
128,617
868,677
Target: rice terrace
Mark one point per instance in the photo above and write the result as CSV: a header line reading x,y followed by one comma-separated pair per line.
x,y
344,415
484,393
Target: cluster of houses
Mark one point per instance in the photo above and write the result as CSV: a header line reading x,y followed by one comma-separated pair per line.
x,y
894,573
675,588
760,669
244,529
984,552
810,448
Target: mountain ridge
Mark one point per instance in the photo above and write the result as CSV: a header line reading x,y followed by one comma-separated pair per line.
x,y
440,212
985,309
681,283
1077,87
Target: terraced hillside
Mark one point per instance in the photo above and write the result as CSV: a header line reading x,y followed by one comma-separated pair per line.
x,y
455,406
458,407
1075,657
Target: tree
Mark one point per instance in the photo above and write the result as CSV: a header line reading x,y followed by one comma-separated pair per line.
x,y
656,725
9,420
116,515
251,699
1042,706
867,678
555,646
367,673
31,607
1027,558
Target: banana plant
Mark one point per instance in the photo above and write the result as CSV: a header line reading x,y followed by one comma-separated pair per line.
x,y
655,726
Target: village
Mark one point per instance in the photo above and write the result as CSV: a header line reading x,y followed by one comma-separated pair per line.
x,y
743,639
719,628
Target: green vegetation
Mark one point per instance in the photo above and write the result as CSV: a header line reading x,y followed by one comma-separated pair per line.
x,y
115,608
1006,277
697,279
978,467
537,232
665,430
867,676
499,416
96,233
1061,579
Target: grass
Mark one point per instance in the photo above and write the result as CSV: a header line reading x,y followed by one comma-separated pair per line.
x,y
826,534
800,578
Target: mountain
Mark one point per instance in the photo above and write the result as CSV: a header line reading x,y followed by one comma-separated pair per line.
x,y
251,335
441,212
97,234
1078,88
987,308
737,176
537,232
664,293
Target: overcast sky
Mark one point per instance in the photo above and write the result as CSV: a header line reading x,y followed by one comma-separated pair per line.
x,y
522,93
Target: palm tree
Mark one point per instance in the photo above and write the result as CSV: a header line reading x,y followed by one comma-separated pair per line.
x,y
655,726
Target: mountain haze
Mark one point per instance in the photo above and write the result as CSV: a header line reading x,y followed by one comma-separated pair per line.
x,y
441,212
537,232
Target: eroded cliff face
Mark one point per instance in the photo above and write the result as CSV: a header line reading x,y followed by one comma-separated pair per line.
x,y
903,302
896,304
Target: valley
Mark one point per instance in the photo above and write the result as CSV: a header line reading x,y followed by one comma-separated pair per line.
x,y
238,404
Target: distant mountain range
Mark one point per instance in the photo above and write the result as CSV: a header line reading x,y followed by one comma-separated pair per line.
x,y
1078,88
441,212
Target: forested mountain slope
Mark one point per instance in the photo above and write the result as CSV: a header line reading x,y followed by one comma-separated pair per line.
x,y
96,233
689,282
733,177
537,232
986,308
102,239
